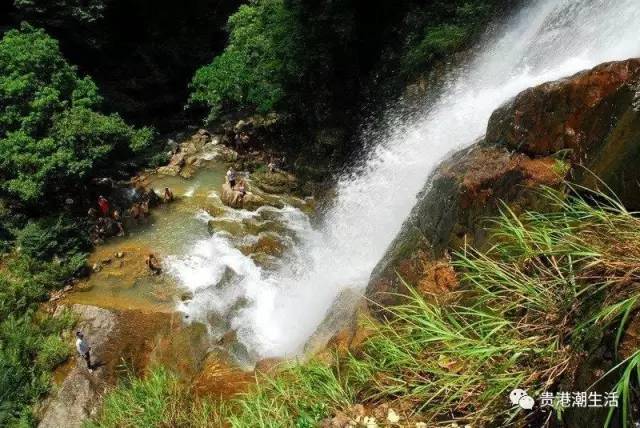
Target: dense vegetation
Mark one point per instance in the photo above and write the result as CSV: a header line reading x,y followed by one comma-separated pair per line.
x,y
530,312
318,65
141,54
31,342
263,56
53,141
51,135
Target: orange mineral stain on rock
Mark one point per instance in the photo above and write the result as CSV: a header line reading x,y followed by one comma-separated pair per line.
x,y
221,380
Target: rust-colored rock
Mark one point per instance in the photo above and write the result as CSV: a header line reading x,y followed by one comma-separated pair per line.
x,y
220,379
593,116
586,122
269,365
464,190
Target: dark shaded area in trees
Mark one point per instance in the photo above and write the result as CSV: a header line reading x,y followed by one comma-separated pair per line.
x,y
142,54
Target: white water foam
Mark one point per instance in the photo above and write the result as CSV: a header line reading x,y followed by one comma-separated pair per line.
x,y
546,41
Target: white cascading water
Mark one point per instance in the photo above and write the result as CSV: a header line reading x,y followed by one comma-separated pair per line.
x,y
546,41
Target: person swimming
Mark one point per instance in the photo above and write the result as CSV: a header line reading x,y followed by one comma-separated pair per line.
x,y
153,264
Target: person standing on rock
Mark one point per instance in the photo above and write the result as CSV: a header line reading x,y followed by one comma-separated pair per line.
x,y
84,350
231,177
272,165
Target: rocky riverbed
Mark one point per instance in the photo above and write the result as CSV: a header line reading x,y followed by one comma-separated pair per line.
x,y
134,318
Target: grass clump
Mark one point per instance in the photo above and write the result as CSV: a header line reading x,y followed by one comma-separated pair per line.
x,y
300,396
158,399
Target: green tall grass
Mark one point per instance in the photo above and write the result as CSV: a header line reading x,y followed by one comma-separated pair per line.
x,y
160,399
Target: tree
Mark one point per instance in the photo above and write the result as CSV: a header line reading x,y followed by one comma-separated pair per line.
x,y
51,134
264,55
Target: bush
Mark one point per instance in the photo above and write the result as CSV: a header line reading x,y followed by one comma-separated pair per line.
x,y
51,135
449,27
264,55
29,349
46,238
30,341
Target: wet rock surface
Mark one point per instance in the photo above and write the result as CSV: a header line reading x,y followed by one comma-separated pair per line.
x,y
78,397
234,199
591,118
115,337
465,189
589,121
196,152
276,182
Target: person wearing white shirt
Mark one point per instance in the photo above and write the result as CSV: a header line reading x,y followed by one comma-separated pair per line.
x,y
84,349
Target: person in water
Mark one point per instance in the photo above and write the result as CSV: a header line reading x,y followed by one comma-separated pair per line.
x,y
231,177
153,263
103,205
84,350
242,189
168,195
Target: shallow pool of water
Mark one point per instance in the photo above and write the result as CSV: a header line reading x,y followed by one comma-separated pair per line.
x,y
125,282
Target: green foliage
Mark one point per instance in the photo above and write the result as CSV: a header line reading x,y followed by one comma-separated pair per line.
x,y
50,135
31,343
301,395
159,159
263,57
450,26
46,238
628,389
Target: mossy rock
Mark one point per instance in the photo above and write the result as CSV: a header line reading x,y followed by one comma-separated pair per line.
x,y
275,182
232,227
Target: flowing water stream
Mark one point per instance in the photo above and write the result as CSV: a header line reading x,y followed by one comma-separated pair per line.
x,y
275,308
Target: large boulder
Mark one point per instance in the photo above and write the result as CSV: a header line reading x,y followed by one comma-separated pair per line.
x,y
114,337
232,198
78,396
277,182
592,118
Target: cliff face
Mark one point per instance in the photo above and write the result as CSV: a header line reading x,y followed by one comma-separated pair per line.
x,y
542,136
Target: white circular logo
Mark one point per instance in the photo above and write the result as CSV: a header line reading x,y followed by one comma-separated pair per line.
x,y
520,398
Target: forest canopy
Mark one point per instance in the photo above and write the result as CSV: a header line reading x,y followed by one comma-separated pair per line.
x,y
51,131
262,57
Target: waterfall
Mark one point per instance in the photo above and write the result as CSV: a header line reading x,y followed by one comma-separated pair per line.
x,y
547,40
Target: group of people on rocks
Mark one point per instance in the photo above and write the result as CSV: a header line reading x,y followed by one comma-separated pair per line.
x,y
106,218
